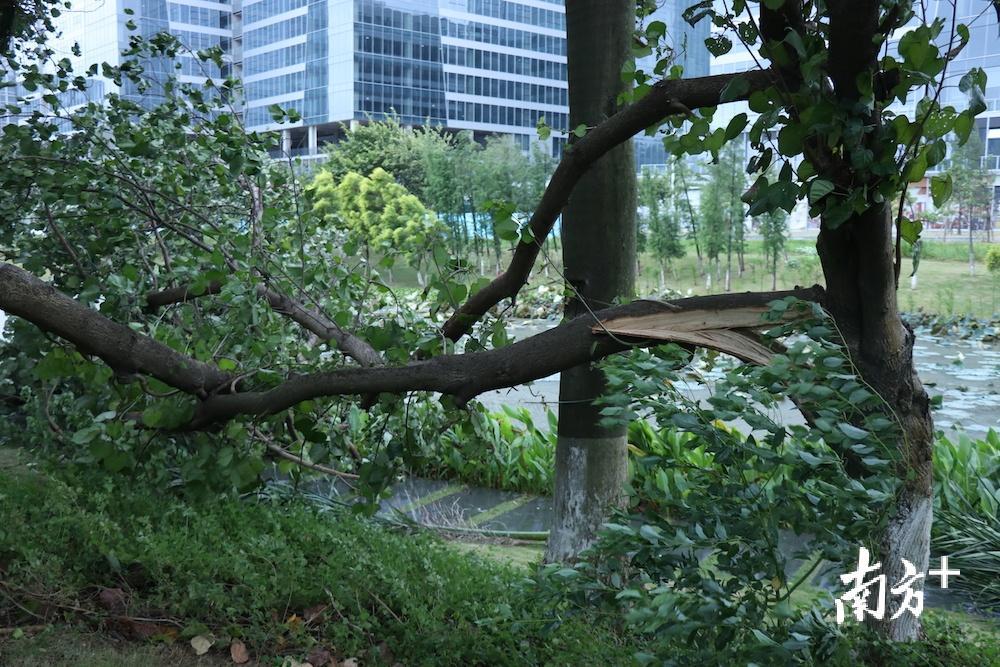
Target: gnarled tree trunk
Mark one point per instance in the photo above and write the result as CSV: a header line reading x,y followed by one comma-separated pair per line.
x,y
858,259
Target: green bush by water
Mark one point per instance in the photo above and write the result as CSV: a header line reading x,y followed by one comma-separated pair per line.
x,y
967,520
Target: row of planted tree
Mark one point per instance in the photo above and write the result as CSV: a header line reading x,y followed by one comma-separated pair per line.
x,y
398,187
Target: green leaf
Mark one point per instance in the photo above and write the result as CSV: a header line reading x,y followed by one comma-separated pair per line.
x,y
544,131
759,102
651,533
734,90
852,432
718,45
819,189
790,139
506,229
910,230
580,130
973,84
811,459
964,123
736,126
941,189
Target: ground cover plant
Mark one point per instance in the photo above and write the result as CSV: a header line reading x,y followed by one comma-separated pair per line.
x,y
280,577
288,580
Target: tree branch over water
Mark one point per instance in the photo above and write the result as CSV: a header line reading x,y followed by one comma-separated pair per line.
x,y
695,320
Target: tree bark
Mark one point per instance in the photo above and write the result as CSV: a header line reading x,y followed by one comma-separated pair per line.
x,y
599,241
858,261
972,249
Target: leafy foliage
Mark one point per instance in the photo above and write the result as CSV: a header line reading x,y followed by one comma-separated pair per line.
x,y
993,260
383,144
967,519
695,560
375,211
114,201
804,130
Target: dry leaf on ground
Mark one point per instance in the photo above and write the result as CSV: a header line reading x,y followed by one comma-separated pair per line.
x,y
201,644
238,652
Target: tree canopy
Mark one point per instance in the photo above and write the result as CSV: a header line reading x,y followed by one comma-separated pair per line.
x,y
229,318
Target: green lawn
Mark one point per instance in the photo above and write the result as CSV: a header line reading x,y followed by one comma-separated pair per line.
x,y
944,284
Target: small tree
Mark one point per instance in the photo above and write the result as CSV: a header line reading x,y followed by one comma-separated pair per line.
x,y
774,231
730,175
972,187
442,156
713,223
660,229
376,213
505,178
382,144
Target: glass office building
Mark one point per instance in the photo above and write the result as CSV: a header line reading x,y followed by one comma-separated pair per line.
x,y
487,66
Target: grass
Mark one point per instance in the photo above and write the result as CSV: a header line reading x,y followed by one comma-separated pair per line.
x,y
944,284
259,571
67,645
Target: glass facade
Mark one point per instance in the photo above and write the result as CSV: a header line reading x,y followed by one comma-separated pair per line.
x,y
481,65
488,66
688,44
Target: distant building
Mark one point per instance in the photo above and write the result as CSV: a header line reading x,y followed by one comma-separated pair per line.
x,y
488,66
688,43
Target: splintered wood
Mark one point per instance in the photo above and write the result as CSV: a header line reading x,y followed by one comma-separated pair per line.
x,y
730,330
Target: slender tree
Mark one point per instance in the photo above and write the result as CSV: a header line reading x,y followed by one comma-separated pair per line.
x,y
773,232
973,188
661,221
599,263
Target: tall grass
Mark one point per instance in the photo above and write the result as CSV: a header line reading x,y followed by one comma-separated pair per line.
x,y
967,522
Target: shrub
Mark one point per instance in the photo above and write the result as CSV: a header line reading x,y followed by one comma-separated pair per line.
x,y
993,259
966,526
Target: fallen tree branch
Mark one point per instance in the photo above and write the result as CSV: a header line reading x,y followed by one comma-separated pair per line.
x,y
312,320
124,350
298,460
666,98
463,376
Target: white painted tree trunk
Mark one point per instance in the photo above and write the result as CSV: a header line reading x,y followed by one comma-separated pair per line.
x,y
589,484
913,281
907,535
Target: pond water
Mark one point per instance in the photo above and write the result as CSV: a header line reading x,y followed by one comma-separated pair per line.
x,y
965,373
